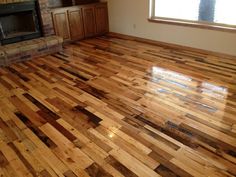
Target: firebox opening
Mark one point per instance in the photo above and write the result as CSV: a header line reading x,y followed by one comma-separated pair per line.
x,y
19,22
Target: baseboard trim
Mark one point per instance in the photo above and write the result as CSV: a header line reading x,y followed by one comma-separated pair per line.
x,y
175,46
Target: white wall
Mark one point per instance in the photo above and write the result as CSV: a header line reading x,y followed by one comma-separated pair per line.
x,y
125,14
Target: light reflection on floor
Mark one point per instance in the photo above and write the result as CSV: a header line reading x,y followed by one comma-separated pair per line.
x,y
204,93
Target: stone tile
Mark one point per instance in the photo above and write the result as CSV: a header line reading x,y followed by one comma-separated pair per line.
x,y
27,50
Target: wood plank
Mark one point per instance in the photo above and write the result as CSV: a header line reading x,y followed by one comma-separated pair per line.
x,y
107,106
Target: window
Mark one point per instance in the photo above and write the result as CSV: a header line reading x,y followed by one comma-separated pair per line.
x,y
219,13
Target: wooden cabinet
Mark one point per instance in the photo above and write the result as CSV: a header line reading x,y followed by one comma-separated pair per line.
x,y
76,23
61,24
101,18
89,21
79,22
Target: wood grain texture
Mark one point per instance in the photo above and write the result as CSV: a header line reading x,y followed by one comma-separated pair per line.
x,y
113,107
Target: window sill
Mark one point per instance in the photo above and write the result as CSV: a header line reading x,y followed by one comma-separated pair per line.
x,y
209,26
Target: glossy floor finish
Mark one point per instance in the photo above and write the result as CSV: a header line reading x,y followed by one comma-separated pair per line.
x,y
112,107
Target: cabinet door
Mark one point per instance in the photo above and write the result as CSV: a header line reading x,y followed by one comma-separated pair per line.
x,y
101,16
89,21
76,23
61,25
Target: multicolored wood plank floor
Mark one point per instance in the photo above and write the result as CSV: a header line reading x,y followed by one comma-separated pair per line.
x,y
113,107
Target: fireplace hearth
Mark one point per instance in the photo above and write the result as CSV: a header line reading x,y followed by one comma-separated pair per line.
x,y
26,31
19,22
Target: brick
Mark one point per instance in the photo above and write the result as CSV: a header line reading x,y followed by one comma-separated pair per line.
x,y
27,50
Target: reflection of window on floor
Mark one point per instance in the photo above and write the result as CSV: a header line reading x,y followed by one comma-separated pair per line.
x,y
216,11
167,74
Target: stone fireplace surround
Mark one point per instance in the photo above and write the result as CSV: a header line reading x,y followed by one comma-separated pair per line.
x,y
46,18
22,51
45,13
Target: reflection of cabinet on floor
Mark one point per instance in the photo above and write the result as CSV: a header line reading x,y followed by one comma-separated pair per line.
x,y
79,22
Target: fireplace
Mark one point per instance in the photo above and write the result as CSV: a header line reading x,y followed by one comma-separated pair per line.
x,y
19,22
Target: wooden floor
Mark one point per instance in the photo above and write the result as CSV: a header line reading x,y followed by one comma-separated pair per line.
x,y
112,107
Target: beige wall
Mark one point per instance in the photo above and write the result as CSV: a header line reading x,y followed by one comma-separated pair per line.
x,y
130,17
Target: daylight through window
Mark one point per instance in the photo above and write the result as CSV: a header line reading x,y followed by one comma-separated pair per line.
x,y
210,11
